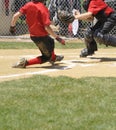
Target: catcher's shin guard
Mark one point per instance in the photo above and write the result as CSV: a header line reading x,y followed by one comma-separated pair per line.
x,y
89,40
90,43
106,39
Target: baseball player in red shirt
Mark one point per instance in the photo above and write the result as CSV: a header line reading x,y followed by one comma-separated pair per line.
x,y
106,20
38,21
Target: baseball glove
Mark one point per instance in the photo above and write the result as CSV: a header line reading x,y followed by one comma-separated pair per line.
x,y
65,17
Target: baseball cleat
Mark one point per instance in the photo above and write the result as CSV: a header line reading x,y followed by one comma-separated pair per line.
x,y
58,58
85,53
21,64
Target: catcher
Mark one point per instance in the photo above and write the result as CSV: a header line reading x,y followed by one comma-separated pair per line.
x,y
106,20
37,19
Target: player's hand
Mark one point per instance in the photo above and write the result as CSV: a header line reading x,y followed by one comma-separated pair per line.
x,y
12,29
76,12
60,40
91,18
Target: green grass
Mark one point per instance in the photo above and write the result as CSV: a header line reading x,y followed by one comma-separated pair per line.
x,y
58,103
17,45
31,45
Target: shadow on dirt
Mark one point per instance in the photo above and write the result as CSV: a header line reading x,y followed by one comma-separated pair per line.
x,y
59,66
94,60
104,59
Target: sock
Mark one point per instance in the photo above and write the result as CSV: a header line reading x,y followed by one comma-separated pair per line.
x,y
33,61
53,57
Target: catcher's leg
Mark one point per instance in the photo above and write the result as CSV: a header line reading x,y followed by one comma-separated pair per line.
x,y
105,39
90,43
102,36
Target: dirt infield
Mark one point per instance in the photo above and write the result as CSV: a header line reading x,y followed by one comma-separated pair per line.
x,y
102,64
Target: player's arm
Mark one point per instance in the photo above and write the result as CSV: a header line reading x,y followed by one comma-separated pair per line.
x,y
50,31
53,34
15,18
13,22
84,16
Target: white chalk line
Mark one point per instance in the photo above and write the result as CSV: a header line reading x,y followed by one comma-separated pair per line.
x,y
54,69
26,74
70,64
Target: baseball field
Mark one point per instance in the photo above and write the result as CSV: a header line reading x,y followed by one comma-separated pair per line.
x,y
75,94
102,64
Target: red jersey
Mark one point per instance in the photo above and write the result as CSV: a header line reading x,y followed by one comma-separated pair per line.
x,y
97,5
37,17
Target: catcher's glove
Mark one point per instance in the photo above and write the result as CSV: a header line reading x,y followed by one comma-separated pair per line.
x,y
65,17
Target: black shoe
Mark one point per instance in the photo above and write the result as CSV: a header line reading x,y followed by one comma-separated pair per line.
x,y
85,53
58,58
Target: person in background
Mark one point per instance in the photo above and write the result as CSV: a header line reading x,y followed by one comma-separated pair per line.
x,y
38,21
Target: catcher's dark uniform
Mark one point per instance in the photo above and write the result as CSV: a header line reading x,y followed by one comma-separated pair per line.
x,y
106,20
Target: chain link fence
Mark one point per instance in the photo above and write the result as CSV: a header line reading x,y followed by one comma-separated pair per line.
x,y
75,30
112,3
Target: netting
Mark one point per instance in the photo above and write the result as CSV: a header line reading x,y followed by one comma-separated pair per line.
x,y
75,30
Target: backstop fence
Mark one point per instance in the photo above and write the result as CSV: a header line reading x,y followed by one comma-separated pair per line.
x,y
74,30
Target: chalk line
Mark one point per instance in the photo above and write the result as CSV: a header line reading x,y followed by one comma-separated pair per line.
x,y
54,69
